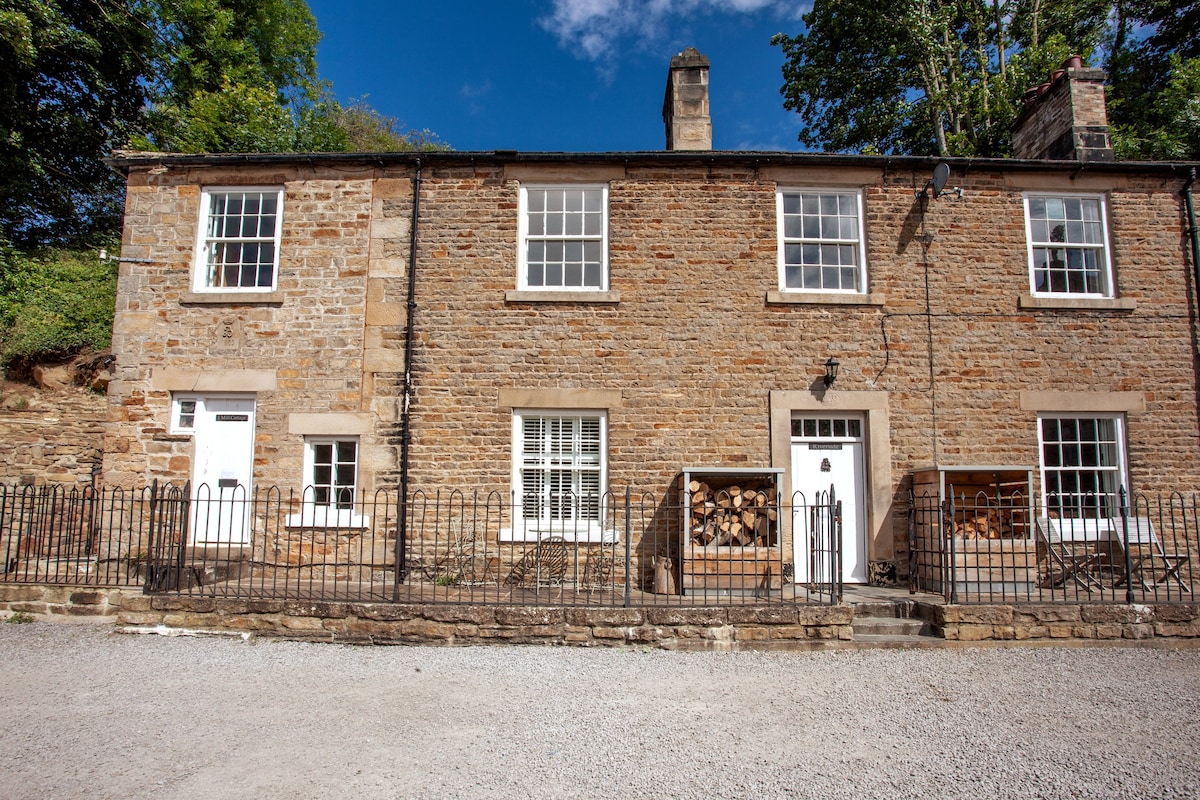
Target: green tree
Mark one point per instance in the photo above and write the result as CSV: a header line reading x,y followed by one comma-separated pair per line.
x,y
230,75
73,88
946,76
1154,72
356,127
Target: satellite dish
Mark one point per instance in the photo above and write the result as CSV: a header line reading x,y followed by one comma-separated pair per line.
x,y
941,174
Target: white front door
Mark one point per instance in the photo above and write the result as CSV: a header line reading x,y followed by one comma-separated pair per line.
x,y
828,452
223,469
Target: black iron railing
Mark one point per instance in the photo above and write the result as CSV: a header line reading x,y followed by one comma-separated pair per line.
x,y
1108,548
617,549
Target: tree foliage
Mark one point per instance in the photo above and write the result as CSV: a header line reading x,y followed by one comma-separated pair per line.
x,y
1154,75
947,76
85,77
73,88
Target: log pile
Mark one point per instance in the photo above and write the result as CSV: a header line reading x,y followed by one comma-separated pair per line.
x,y
994,523
733,516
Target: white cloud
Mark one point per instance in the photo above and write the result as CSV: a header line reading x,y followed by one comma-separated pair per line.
x,y
592,28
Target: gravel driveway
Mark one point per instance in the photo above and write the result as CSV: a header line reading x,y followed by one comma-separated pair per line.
x,y
88,713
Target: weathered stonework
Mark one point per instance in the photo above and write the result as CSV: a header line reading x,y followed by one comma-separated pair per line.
x,y
1066,621
677,628
55,438
941,354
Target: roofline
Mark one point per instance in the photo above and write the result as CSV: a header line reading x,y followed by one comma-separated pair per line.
x,y
125,161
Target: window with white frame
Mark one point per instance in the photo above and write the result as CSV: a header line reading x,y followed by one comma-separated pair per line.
x,y
821,240
559,473
1067,238
563,238
330,483
238,248
183,413
1083,465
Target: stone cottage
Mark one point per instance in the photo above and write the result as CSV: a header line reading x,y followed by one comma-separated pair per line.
x,y
552,326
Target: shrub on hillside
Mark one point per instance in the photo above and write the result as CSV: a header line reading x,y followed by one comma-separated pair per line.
x,y
53,304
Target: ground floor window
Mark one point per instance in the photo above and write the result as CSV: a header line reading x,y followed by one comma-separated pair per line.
x,y
332,471
330,482
558,473
1083,465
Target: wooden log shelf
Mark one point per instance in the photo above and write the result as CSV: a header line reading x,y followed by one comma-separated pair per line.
x,y
730,529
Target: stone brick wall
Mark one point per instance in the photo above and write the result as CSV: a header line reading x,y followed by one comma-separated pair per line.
x,y
1069,120
1063,622
689,343
53,437
310,341
722,629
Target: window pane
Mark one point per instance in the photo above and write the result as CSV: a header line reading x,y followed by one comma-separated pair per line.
x,y
574,225
593,225
592,275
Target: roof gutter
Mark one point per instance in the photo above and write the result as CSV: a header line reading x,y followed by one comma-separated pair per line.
x,y
126,162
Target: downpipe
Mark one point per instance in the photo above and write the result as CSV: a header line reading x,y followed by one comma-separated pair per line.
x,y
401,562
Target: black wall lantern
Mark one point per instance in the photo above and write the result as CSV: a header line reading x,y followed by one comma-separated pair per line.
x,y
831,371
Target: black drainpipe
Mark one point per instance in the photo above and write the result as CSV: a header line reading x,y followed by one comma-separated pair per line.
x,y
406,411
1194,234
1194,237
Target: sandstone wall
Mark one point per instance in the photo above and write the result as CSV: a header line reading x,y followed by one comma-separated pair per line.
x,y
688,346
51,437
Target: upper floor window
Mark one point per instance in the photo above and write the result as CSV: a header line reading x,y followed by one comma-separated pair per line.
x,y
821,241
563,238
238,248
1067,245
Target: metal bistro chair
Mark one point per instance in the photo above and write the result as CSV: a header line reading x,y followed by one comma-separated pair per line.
x,y
1150,555
1073,564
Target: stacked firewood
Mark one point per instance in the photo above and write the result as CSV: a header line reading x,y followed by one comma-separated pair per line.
x,y
735,516
993,523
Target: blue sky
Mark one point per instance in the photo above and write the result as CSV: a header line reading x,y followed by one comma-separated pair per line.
x,y
559,75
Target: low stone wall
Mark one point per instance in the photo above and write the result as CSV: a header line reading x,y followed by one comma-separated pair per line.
x,y
725,628
1061,621
51,437
66,601
730,628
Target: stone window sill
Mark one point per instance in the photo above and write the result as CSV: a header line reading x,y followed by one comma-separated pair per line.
x,y
822,299
171,437
232,298
527,296
1029,302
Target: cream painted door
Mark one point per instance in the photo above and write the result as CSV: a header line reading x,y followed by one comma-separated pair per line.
x,y
828,452
223,469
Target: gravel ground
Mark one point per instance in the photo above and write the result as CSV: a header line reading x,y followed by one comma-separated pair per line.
x,y
89,713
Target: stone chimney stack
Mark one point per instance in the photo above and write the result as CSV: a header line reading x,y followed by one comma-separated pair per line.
x,y
685,107
1065,118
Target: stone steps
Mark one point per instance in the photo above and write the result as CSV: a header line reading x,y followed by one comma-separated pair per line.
x,y
890,622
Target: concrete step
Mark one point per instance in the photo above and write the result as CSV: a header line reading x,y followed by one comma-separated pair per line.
x,y
890,626
902,609
889,621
